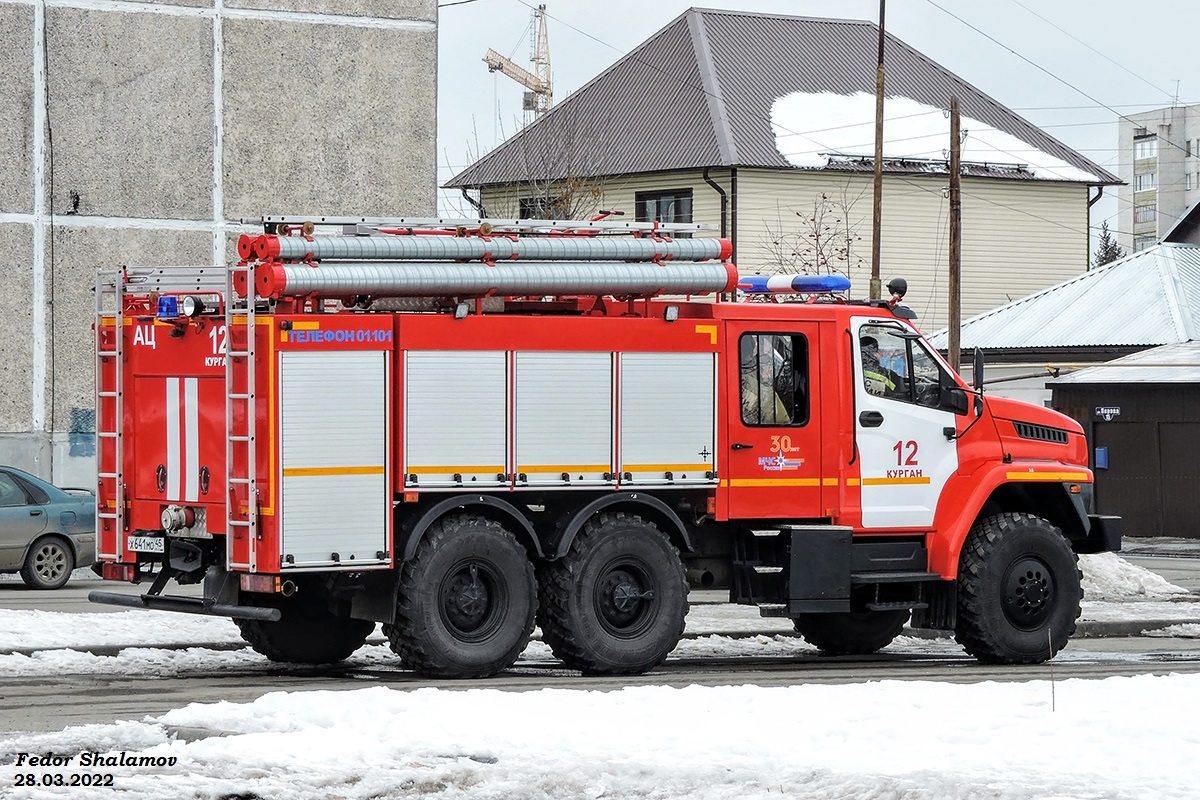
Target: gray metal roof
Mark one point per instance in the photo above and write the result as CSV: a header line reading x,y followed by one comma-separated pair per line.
x,y
699,93
1146,299
1186,228
1172,363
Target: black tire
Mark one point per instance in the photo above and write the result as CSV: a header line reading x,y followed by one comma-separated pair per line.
x,y
48,563
615,604
307,632
466,601
853,633
1019,589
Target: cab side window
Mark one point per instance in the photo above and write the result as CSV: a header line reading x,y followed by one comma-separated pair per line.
x,y
774,379
899,367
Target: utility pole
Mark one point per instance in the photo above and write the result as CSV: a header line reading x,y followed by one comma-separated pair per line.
x,y
955,292
877,199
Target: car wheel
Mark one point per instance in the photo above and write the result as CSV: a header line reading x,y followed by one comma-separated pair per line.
x,y
48,564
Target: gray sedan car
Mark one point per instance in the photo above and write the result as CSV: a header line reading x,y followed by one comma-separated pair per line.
x,y
45,532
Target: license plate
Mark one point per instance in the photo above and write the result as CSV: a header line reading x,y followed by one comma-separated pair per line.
x,y
146,544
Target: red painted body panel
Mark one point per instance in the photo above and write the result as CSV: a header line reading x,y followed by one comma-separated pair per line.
x,y
806,472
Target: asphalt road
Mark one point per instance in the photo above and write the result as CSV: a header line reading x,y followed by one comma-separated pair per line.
x,y
51,702
54,702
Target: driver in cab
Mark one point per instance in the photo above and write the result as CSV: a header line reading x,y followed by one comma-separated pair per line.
x,y
879,380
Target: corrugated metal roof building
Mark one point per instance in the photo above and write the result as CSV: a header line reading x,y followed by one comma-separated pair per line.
x,y
699,93
709,119
1146,299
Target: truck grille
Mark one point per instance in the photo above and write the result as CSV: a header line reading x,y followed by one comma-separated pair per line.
x,y
1041,433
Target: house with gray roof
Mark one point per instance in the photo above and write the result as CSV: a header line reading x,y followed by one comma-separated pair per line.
x,y
763,126
1146,299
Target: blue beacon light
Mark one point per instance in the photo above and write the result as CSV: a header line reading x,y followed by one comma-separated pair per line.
x,y
168,307
808,284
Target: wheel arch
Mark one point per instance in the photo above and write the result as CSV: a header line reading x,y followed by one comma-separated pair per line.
x,y
48,534
410,531
991,494
647,506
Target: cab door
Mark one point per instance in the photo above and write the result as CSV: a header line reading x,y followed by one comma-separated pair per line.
x,y
773,463
905,456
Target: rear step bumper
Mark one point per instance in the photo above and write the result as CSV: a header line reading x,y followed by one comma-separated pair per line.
x,y
185,605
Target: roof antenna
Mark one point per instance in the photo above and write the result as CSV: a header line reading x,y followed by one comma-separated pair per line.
x,y
1175,100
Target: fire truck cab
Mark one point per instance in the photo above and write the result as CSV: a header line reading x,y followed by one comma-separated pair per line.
x,y
463,430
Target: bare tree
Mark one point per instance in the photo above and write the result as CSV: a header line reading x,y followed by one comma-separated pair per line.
x,y
559,162
821,241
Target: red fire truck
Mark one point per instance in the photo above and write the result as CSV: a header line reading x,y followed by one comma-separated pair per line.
x,y
464,430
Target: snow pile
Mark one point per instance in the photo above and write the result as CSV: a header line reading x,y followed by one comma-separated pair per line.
x,y
886,739
810,127
1107,576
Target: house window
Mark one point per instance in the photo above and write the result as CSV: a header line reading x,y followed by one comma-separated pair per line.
x,y
1144,181
1145,148
1187,147
1149,213
545,207
1143,242
671,206
1187,181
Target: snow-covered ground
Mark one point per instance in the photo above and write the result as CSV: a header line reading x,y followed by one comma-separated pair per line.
x,y
1114,738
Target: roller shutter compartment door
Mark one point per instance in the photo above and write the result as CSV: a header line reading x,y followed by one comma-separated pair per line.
x,y
333,430
668,410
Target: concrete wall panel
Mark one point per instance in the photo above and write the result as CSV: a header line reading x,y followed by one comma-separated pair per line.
x,y
130,108
77,254
349,128
16,123
385,9
16,345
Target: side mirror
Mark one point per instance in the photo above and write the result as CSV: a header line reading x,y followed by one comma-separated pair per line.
x,y
977,370
955,399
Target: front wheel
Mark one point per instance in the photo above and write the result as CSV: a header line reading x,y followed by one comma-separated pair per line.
x,y
616,602
48,564
466,601
1018,590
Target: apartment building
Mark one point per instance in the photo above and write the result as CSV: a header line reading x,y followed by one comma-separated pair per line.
x,y
1160,165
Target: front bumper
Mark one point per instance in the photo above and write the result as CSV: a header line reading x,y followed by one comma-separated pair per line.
x,y
1104,535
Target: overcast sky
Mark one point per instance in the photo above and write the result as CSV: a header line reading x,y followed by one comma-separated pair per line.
x,y
1069,66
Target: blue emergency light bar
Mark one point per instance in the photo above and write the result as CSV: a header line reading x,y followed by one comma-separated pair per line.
x,y
808,284
168,307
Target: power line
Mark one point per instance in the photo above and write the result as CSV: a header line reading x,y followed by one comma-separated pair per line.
x,y
1032,63
1094,50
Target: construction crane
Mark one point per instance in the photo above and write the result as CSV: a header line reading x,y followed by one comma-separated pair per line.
x,y
539,95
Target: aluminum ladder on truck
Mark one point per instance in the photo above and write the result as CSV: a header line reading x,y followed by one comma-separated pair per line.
x,y
241,468
110,506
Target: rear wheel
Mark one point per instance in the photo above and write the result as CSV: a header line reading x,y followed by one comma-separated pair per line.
x,y
466,601
616,602
48,564
851,633
308,632
1018,590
